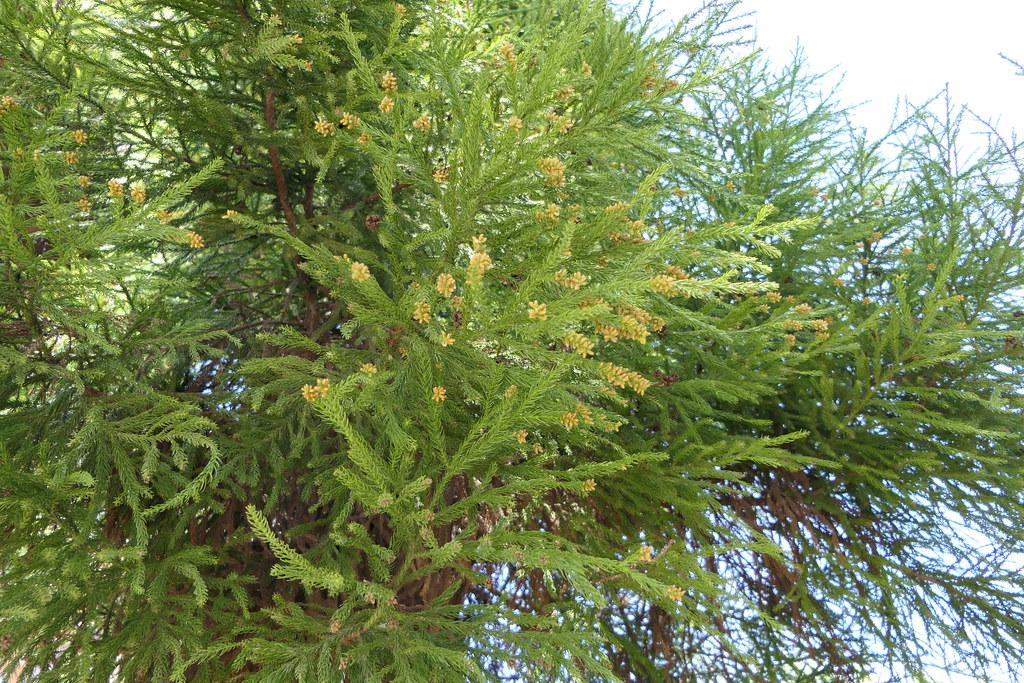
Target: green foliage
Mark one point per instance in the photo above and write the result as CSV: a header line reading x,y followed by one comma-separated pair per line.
x,y
488,341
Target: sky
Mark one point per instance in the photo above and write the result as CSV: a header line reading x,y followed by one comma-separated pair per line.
x,y
888,49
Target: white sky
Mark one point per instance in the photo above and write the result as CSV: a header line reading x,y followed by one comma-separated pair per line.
x,y
893,48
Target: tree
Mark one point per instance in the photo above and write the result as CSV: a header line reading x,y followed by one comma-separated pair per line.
x,y
488,341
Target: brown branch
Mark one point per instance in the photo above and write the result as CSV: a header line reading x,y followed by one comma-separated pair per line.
x,y
373,198
310,293
307,200
275,162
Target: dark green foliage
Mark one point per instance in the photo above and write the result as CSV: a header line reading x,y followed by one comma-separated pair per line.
x,y
488,341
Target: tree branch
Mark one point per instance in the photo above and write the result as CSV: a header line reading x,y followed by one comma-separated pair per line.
x,y
275,162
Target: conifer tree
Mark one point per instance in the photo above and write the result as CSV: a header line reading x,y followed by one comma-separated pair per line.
x,y
501,340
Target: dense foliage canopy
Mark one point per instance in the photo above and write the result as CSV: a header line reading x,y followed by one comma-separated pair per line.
x,y
492,340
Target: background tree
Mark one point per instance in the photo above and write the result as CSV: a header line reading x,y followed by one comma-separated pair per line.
x,y
489,341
